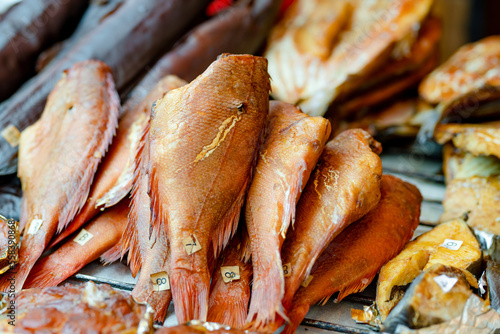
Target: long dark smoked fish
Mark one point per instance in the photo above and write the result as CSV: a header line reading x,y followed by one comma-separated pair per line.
x,y
25,31
59,155
132,37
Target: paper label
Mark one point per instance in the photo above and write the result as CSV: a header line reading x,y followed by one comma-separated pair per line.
x,y
308,280
230,274
83,237
35,226
287,269
11,134
445,282
452,244
160,281
191,244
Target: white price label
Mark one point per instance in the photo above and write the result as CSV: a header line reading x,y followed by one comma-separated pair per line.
x,y
452,244
191,244
160,281
12,135
35,226
445,283
308,280
83,237
287,269
230,274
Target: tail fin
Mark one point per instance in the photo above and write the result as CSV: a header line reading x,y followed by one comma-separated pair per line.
x,y
296,314
267,293
158,300
231,311
42,276
190,293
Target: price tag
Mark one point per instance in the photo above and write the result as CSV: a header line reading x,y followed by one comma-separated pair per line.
x,y
191,244
308,280
445,282
230,274
11,134
287,269
452,244
160,281
83,237
35,226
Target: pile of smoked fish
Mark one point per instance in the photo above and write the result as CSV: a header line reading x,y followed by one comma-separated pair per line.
x,y
229,153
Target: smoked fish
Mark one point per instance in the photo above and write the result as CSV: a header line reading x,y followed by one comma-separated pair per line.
x,y
95,238
344,187
59,155
356,255
26,30
203,141
293,145
241,28
230,294
137,33
114,177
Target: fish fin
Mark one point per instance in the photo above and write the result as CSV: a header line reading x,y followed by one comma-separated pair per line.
x,y
41,276
229,223
296,315
355,287
267,293
290,201
232,312
130,242
112,255
190,291
80,194
246,246
158,300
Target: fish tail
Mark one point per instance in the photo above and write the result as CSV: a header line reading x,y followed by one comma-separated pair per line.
x,y
190,292
296,315
112,255
159,300
28,254
231,312
45,274
267,293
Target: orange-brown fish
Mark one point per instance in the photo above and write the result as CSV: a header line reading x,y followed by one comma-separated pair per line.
x,y
204,138
344,187
228,303
59,155
292,147
353,258
97,237
114,177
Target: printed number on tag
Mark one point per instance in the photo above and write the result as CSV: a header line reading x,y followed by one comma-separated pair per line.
x,y
191,244
11,134
452,244
35,226
307,281
160,281
230,274
445,282
83,237
287,269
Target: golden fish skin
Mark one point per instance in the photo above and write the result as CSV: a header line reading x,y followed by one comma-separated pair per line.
x,y
228,302
292,147
114,177
106,230
315,55
204,138
353,258
343,188
59,155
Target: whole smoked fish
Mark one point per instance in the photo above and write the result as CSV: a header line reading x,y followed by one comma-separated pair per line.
x,y
204,138
344,187
127,41
292,147
114,177
59,155
96,238
241,28
230,291
353,258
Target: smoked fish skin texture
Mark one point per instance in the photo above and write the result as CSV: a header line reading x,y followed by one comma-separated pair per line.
x,y
343,188
352,260
204,138
59,155
293,145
